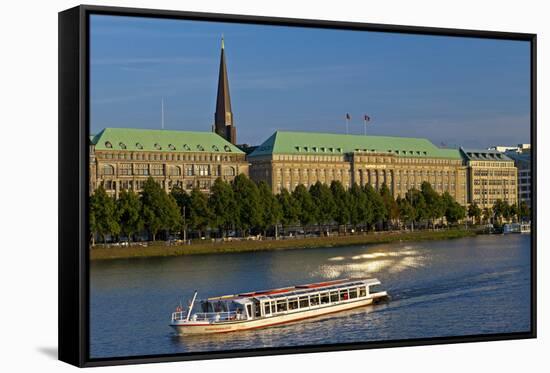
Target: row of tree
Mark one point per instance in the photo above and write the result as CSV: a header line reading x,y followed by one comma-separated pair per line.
x,y
244,207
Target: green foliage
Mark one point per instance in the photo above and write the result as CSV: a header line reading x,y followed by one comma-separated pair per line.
x,y
453,210
103,214
392,210
199,213
129,213
524,212
360,209
342,203
221,204
435,206
474,212
406,210
247,200
289,207
322,198
160,211
271,211
307,210
376,204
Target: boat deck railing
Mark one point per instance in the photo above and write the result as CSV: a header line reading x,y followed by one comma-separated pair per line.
x,y
208,316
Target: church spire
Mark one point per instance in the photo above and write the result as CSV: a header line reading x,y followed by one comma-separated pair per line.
x,y
223,118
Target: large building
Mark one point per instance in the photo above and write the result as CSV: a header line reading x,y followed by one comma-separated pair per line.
x,y
123,158
491,176
287,159
521,155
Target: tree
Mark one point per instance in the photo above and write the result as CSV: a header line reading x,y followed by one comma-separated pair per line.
x,y
376,204
199,213
271,212
183,201
289,208
322,198
487,214
514,211
160,210
435,207
417,201
222,207
247,201
360,210
523,211
406,211
307,210
453,210
501,209
392,210
103,214
342,203
474,212
129,212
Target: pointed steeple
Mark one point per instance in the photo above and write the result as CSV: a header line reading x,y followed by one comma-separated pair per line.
x,y
223,118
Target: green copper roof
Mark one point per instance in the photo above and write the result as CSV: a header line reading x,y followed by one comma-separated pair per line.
x,y
135,139
283,142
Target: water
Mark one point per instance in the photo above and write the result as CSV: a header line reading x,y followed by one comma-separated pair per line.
x,y
468,286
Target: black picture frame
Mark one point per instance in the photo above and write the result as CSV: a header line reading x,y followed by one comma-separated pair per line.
x,y
74,187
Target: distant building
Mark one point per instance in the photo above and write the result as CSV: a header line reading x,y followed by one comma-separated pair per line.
x,y
522,159
520,148
123,158
491,176
287,159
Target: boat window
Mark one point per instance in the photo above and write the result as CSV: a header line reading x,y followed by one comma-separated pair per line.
x,y
304,302
267,308
344,294
273,310
333,296
374,289
293,303
281,305
353,293
314,300
324,298
362,291
249,309
257,309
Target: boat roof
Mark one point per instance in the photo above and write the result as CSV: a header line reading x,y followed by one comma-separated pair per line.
x,y
299,289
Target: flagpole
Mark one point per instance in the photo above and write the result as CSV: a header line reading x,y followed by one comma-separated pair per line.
x,y
347,126
162,113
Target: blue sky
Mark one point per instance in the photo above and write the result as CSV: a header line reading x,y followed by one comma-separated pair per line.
x,y
454,91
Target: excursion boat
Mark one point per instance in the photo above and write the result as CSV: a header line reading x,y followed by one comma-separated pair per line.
x,y
259,309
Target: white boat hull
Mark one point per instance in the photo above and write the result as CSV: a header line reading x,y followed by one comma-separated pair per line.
x,y
201,327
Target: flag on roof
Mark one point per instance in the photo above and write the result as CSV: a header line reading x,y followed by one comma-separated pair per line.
x,y
348,117
366,117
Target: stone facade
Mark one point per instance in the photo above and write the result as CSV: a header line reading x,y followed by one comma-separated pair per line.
x,y
118,169
398,173
491,176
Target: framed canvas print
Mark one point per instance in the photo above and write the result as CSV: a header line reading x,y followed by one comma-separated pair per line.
x,y
237,186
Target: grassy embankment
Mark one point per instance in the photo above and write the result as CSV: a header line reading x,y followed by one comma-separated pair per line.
x,y
208,247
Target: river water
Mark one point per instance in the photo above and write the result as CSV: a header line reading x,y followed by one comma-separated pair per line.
x,y
468,286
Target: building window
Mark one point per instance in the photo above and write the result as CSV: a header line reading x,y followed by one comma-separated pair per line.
x,y
125,169
202,170
108,170
175,171
188,170
157,170
229,171
141,169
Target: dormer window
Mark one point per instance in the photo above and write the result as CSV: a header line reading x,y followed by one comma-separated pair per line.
x,y
227,148
139,146
186,147
122,145
157,146
171,147
108,144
